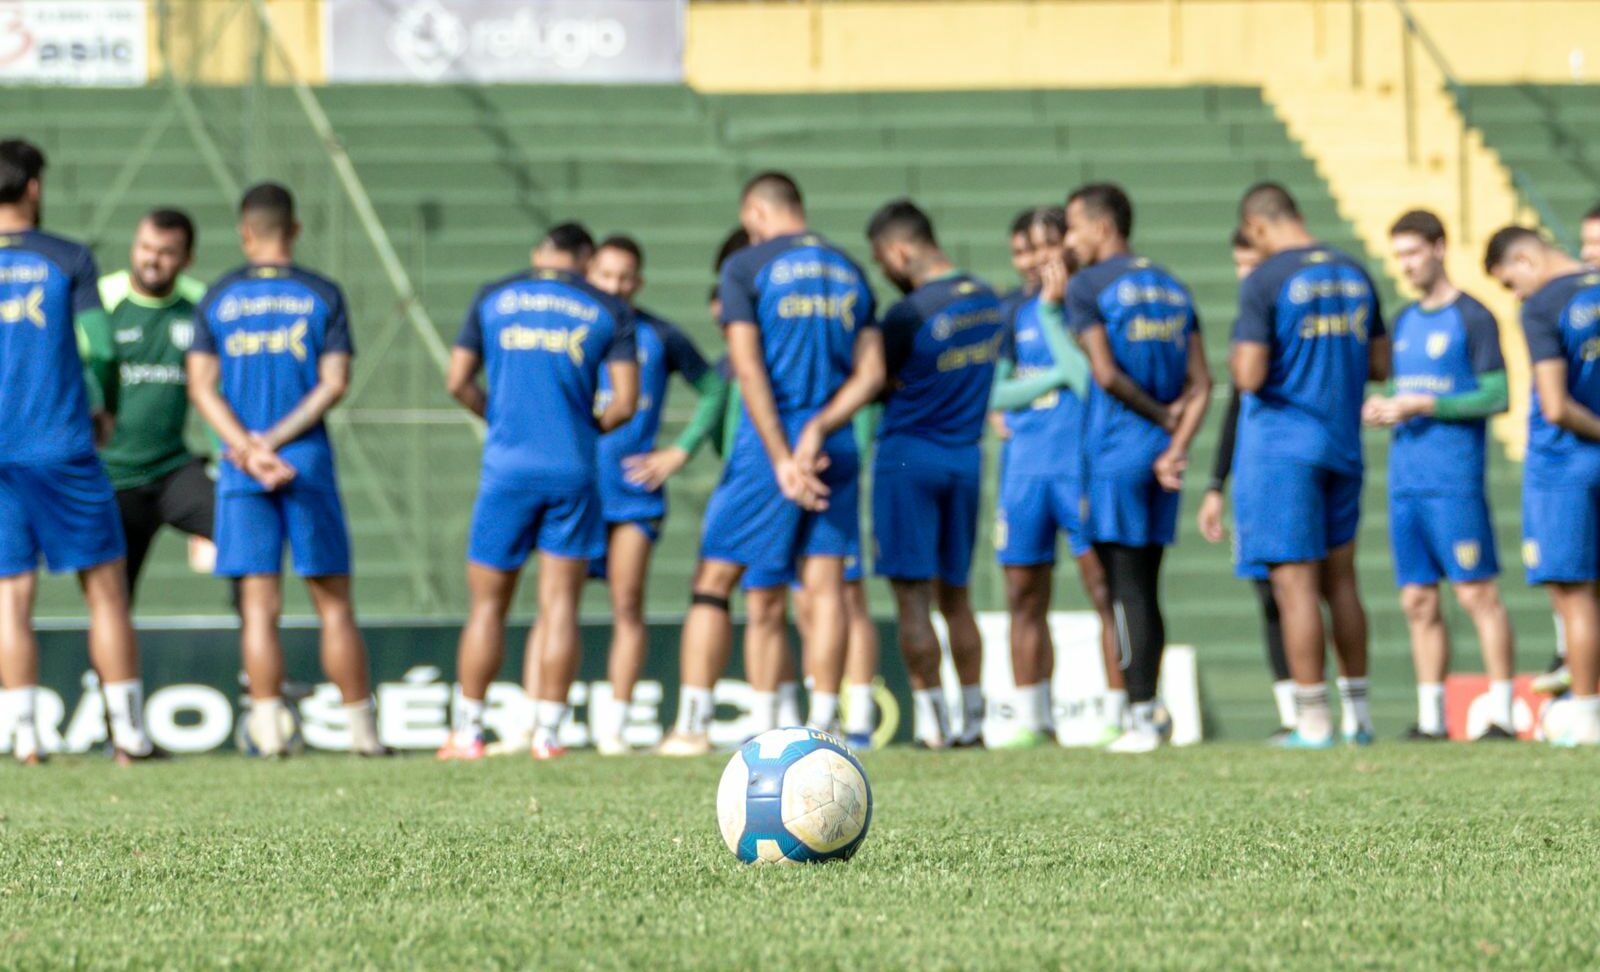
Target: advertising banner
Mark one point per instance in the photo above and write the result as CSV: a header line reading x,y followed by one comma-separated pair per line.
x,y
195,700
504,41
77,42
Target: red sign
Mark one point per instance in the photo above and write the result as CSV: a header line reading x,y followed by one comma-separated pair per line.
x,y
1466,706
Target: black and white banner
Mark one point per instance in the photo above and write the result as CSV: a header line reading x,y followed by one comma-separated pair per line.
x,y
79,42
503,41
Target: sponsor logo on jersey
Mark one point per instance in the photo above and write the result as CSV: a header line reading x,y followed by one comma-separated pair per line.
x,y
233,308
567,341
181,332
289,340
28,307
1438,344
1468,553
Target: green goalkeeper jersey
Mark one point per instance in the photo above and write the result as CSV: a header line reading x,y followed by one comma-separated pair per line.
x,y
151,337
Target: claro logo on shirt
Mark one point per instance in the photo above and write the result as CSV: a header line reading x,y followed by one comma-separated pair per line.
x,y
567,341
28,307
289,340
839,307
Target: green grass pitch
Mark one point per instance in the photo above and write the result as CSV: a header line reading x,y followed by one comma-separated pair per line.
x,y
1230,856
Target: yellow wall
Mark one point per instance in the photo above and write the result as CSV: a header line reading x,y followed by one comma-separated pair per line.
x,y
215,41
902,44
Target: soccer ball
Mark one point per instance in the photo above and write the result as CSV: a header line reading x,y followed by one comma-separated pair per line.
x,y
792,796
1555,719
288,727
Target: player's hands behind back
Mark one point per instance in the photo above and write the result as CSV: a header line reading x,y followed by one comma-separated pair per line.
x,y
798,475
651,469
1169,468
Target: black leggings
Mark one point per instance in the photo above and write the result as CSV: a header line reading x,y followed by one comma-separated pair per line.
x,y
1272,629
1133,575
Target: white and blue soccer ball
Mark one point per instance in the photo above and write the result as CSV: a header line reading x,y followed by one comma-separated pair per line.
x,y
793,796
288,730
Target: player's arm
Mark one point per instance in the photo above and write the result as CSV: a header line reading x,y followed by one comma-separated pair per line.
x,y
1170,465
100,377
866,381
624,399
1492,395
1069,367
461,380
333,380
204,374
1115,382
1557,404
755,387
652,469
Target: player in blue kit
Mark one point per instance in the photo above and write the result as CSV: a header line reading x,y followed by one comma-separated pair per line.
x,y
1041,382
56,500
1152,385
270,357
633,471
1309,337
542,336
802,339
1561,477
1449,377
940,347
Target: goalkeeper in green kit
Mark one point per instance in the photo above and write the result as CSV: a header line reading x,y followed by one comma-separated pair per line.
x,y
159,481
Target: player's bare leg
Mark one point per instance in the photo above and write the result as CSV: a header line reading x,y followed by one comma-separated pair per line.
x,y
1032,650
1343,595
344,659
919,646
561,582
860,666
260,607
765,647
114,653
1115,705
479,655
966,650
1430,656
627,564
1579,609
704,647
1481,600
1298,590
826,637
789,713
19,664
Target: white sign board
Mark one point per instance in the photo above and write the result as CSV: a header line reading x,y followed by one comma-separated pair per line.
x,y
77,42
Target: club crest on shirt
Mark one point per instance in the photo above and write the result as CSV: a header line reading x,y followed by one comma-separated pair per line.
x,y
1438,344
182,333
1530,553
1468,553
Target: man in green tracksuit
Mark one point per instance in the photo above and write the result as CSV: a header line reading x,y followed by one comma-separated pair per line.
x,y
151,305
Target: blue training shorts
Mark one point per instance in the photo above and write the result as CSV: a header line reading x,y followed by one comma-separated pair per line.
x,y
1442,536
510,521
1032,511
750,523
1292,512
1561,533
925,522
253,527
1129,507
64,511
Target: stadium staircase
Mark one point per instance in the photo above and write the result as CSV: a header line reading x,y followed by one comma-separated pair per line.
x,y
464,179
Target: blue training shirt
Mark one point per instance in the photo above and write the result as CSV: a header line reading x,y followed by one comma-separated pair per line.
x,y
661,350
1560,323
1440,353
544,337
45,282
1148,316
1046,436
940,344
1316,309
269,326
808,299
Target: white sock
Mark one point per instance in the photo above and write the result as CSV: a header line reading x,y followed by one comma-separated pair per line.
x,y
547,720
1283,694
1586,718
971,712
1502,705
125,706
695,710
469,718
930,721
858,709
824,711
1033,703
763,712
1312,719
1430,707
789,704
19,705
610,719
1356,715
363,718
1144,716
1115,705
266,725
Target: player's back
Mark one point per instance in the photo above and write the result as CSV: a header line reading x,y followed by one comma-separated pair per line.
x,y
545,337
941,343
269,326
1317,310
808,298
1433,356
1046,435
45,281
1148,317
1560,320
